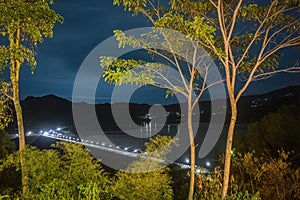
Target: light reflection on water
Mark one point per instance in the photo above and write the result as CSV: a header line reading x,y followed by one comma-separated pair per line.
x,y
123,140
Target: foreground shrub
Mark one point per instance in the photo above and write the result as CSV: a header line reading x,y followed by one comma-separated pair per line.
x,y
146,178
209,187
274,178
54,175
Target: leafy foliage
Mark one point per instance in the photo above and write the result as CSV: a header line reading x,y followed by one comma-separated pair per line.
x,y
73,175
135,6
6,145
210,187
5,105
254,177
35,20
278,130
274,178
145,178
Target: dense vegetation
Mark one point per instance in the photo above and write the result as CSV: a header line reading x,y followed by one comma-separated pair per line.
x,y
68,171
263,165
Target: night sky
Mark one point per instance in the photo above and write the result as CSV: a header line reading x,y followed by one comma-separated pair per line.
x,y
88,23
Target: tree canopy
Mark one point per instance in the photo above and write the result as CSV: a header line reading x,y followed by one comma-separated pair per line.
x,y
245,38
34,19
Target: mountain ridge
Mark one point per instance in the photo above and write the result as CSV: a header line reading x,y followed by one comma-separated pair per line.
x,y
51,110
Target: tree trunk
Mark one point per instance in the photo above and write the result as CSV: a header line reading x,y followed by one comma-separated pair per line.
x,y
228,149
15,67
18,110
192,147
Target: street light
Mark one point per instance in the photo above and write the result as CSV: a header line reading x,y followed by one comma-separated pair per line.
x,y
208,164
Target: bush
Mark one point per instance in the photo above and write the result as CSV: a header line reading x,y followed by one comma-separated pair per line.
x,y
69,175
274,178
278,130
146,178
209,187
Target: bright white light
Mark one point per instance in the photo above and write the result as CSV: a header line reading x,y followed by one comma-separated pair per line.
x,y
208,164
103,144
136,150
50,130
41,132
198,171
118,147
77,139
126,148
110,145
97,142
29,133
45,133
187,160
58,129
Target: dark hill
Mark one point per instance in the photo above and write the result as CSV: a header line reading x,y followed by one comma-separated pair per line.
x,y
52,111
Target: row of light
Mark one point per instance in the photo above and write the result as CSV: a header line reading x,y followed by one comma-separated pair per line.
x,y
87,141
187,161
46,133
50,131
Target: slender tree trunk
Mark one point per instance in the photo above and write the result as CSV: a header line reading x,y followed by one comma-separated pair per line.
x,y
18,110
19,115
228,148
15,66
192,147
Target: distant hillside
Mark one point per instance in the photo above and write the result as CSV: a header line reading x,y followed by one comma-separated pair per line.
x,y
252,108
48,110
53,111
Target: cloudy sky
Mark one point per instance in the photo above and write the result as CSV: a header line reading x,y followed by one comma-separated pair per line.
x,y
87,24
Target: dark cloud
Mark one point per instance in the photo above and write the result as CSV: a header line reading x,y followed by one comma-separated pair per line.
x,y
86,24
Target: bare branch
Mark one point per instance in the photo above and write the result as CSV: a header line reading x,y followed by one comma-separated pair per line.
x,y
163,77
213,3
267,75
202,89
162,55
280,30
234,18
